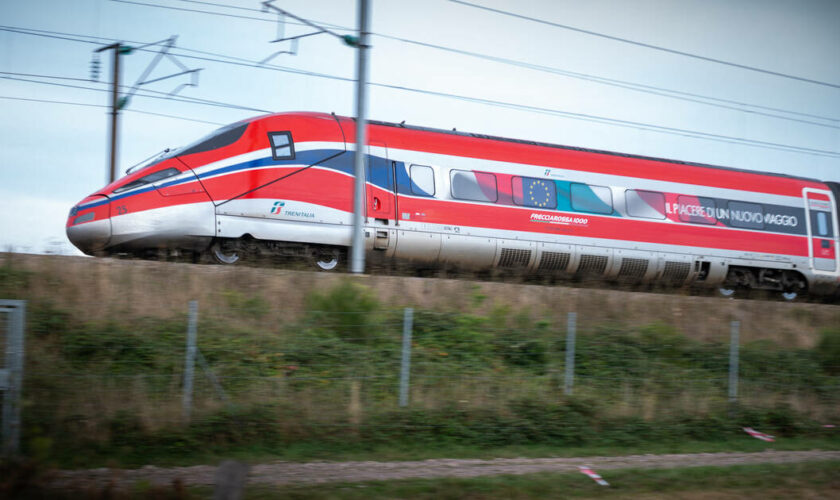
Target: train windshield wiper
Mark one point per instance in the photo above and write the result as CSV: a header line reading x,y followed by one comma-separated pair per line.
x,y
150,160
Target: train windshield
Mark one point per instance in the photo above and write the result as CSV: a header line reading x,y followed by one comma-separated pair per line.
x,y
220,138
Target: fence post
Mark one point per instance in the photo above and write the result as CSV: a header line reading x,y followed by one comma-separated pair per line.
x,y
733,361
189,362
11,376
405,366
569,380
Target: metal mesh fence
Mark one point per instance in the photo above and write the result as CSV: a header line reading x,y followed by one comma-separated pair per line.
x,y
343,368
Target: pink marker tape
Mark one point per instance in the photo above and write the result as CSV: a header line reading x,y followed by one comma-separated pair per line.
x,y
595,477
758,435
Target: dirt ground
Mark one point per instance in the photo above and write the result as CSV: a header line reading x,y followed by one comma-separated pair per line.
x,y
279,473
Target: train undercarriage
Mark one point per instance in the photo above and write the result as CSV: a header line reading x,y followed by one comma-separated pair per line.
x,y
740,281
790,284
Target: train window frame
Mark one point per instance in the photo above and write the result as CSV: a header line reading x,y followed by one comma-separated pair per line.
x,y
275,149
705,223
660,194
523,204
572,198
739,224
412,183
145,180
495,185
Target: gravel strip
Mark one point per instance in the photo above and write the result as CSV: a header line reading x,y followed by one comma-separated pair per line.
x,y
279,473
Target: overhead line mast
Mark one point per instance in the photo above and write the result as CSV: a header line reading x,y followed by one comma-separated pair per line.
x,y
357,248
118,49
117,102
357,257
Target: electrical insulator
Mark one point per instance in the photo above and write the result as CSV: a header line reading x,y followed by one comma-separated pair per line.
x,y
94,68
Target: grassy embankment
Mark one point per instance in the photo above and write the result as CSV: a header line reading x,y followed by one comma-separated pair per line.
x,y
319,379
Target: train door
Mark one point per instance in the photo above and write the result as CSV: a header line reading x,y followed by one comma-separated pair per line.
x,y
381,197
822,229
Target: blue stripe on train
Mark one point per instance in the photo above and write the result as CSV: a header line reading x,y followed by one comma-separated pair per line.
x,y
305,158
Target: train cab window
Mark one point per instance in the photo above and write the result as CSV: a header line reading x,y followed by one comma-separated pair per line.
x,y
282,147
645,204
148,179
587,198
473,186
220,138
532,192
422,180
746,215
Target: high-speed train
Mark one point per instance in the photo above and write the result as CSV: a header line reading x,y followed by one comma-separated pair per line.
x,y
284,183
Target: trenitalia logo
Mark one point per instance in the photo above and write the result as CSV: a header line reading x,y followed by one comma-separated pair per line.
x,y
280,206
559,219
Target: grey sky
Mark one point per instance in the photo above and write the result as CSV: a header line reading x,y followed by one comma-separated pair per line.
x,y
52,155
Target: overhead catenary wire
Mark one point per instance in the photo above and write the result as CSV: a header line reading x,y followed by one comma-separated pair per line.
x,y
502,104
145,92
639,87
184,9
251,9
661,91
567,114
89,105
649,45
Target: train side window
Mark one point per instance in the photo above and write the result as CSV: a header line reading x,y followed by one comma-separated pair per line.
x,y
282,147
587,198
822,223
696,209
746,215
645,204
473,186
422,180
533,192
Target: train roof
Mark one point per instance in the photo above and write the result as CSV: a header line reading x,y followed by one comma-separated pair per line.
x,y
586,150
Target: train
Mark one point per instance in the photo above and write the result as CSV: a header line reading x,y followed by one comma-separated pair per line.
x,y
283,184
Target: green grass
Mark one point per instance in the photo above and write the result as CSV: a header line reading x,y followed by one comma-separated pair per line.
x,y
803,480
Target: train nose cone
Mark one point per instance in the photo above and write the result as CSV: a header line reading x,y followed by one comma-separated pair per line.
x,y
89,224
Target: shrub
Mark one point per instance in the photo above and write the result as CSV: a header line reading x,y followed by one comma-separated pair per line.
x,y
345,310
828,351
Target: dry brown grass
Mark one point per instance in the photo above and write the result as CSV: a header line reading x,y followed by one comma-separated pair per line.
x,y
97,289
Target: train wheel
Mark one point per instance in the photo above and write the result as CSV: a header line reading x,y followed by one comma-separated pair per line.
x,y
327,259
225,252
726,292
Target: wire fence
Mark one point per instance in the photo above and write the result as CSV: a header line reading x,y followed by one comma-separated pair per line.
x,y
393,368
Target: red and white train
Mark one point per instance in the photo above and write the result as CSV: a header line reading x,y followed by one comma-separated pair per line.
x,y
284,182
